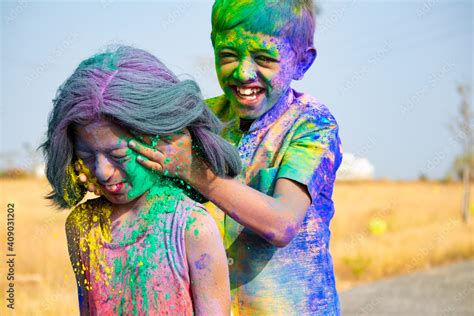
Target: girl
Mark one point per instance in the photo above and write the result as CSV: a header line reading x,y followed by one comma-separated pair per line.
x,y
143,247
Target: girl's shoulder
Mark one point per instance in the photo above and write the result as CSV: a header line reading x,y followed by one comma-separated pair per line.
x,y
187,205
188,210
197,217
86,213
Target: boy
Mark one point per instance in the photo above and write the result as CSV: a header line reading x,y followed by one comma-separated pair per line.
x,y
275,220
278,247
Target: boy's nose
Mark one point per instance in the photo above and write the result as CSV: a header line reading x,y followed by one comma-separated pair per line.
x,y
103,169
246,71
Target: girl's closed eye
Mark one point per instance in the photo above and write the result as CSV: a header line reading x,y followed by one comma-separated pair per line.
x,y
120,155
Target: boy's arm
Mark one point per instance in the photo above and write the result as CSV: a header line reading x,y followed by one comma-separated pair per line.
x,y
208,267
276,218
76,262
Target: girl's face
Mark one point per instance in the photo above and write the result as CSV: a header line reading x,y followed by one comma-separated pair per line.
x,y
102,146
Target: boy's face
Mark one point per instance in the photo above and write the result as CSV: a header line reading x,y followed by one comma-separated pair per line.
x,y
254,69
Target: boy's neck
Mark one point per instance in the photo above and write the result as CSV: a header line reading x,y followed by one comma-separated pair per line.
x,y
245,124
276,110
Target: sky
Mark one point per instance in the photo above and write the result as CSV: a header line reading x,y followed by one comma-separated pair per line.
x,y
388,70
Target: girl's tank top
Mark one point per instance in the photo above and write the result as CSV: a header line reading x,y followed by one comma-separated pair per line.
x,y
146,271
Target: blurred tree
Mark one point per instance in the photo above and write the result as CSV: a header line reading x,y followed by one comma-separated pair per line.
x,y
463,131
458,167
422,177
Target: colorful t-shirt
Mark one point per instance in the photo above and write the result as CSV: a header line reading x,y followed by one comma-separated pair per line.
x,y
142,272
296,139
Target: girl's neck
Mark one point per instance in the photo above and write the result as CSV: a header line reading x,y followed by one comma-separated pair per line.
x,y
129,209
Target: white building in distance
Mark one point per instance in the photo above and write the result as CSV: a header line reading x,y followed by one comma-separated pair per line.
x,y
355,168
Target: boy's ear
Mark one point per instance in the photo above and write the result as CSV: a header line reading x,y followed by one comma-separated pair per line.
x,y
305,62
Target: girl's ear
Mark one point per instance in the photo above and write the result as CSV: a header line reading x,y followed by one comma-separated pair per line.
x,y
305,62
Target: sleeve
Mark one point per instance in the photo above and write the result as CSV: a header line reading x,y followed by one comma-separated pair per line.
x,y
314,154
217,105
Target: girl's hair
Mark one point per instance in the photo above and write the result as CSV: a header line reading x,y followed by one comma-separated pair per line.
x,y
134,90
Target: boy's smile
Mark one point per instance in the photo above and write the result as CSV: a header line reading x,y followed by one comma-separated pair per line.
x,y
254,70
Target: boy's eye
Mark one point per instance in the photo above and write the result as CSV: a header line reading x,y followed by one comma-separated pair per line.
x,y
227,56
265,59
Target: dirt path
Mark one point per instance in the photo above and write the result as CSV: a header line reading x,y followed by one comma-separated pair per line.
x,y
447,290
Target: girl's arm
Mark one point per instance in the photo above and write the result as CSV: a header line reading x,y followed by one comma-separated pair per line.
x,y
77,264
208,267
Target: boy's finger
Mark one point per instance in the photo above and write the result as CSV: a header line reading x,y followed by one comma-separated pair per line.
x,y
150,164
150,153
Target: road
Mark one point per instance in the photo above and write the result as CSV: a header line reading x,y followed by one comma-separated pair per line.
x,y
447,290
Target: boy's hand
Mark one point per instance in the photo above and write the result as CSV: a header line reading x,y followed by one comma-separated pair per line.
x,y
172,156
91,187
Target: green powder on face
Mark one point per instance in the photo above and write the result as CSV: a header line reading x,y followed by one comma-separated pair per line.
x,y
140,178
155,140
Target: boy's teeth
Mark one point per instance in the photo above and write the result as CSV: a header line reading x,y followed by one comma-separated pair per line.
x,y
248,91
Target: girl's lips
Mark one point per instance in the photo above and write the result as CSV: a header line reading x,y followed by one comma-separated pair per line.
x,y
113,188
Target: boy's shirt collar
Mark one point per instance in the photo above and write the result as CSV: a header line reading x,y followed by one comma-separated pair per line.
x,y
274,112
221,107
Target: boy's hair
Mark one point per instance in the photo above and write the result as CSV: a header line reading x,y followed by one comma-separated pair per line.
x,y
293,19
134,90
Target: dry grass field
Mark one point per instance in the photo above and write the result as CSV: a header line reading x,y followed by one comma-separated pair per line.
x,y
387,228
381,228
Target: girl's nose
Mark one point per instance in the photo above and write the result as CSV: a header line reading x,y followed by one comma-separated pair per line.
x,y
246,71
103,169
